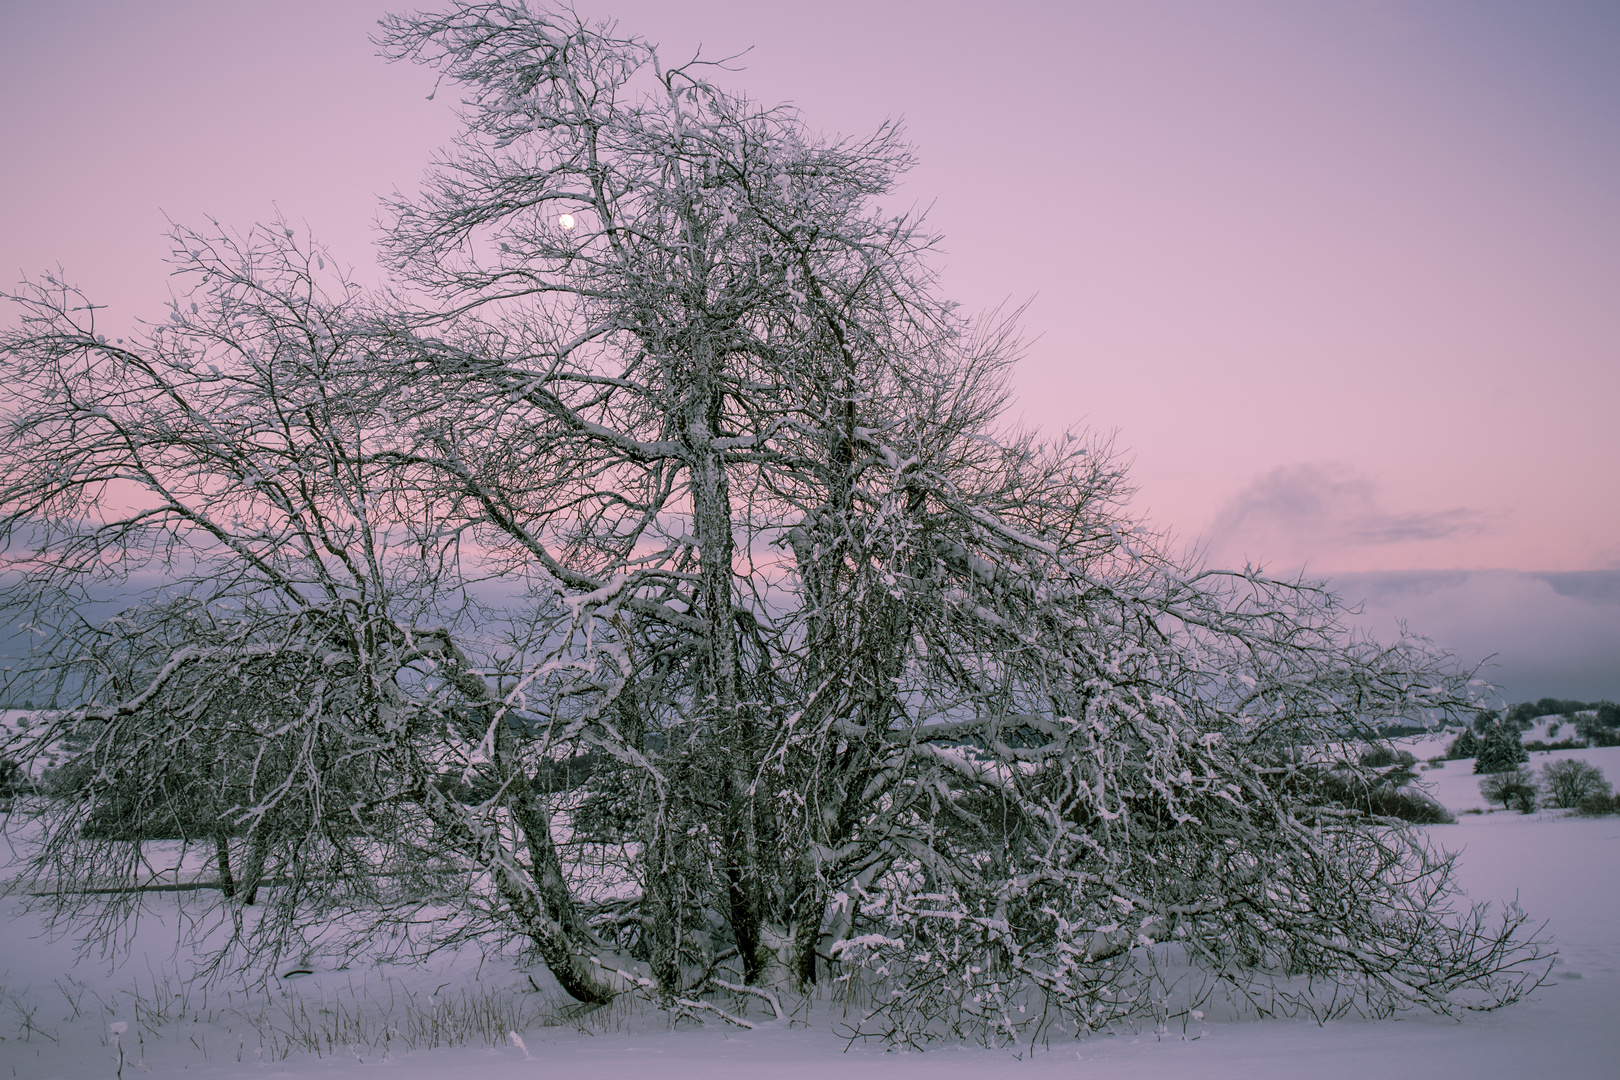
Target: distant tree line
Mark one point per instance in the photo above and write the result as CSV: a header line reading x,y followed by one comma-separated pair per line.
x,y
1526,713
1596,724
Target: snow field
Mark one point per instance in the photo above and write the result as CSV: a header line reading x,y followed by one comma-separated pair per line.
x,y
444,1017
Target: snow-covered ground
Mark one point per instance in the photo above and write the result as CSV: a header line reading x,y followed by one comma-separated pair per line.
x,y
56,1011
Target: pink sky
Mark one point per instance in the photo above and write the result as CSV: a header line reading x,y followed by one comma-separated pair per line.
x,y
1344,277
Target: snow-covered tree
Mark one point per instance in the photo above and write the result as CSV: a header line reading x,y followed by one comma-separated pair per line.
x,y
1501,749
667,456
1463,746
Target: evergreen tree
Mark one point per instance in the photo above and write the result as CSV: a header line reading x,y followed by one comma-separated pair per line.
x,y
1500,750
1463,746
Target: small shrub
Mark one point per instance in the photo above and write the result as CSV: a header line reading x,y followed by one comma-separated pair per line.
x,y
1565,783
1376,757
1402,770
1597,805
13,779
1384,800
1409,806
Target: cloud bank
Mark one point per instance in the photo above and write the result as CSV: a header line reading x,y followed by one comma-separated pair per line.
x,y
1542,634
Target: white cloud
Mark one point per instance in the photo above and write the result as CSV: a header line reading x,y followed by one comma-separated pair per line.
x,y
1311,513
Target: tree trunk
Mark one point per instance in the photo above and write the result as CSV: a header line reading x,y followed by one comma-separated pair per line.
x,y
662,901
253,873
711,511
222,854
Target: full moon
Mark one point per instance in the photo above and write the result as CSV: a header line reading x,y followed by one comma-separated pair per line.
x,y
566,221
